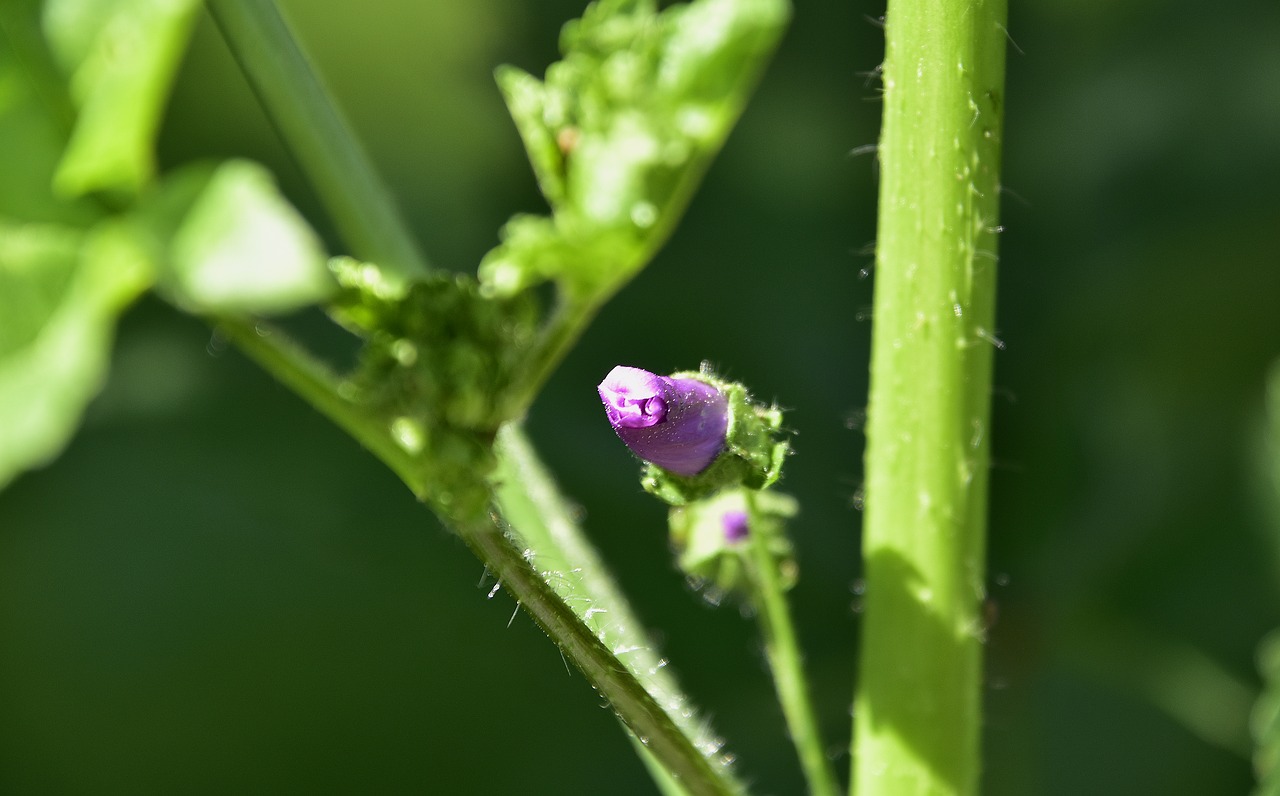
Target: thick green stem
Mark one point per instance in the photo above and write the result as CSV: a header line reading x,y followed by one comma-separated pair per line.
x,y
918,697
317,135
786,663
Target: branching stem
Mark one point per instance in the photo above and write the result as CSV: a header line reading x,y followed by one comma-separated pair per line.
x,y
367,218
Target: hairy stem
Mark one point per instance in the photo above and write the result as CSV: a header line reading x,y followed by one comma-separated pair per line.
x,y
650,722
314,382
918,697
659,716
782,648
557,548
317,135
545,594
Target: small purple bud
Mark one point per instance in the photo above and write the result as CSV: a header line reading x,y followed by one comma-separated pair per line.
x,y
735,526
677,424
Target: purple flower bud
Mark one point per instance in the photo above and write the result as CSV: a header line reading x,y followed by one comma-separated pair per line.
x,y
678,424
734,524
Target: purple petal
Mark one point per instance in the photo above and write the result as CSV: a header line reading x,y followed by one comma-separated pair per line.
x,y
677,424
634,398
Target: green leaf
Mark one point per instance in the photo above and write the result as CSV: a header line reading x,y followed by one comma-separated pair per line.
x,y
121,57
755,448
234,244
60,292
621,129
526,98
35,117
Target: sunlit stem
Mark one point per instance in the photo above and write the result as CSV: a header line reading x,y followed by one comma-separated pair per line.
x,y
918,699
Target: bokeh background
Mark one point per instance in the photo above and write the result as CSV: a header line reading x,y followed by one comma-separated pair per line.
x,y
214,591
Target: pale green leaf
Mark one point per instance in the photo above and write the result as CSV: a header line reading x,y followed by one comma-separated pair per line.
x,y
241,247
527,100
620,130
60,293
121,57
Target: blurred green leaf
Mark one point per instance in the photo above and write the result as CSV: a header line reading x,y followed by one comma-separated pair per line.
x,y
121,57
35,117
60,292
526,97
234,244
1265,721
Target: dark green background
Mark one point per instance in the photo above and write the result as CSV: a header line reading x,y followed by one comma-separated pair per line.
x,y
213,591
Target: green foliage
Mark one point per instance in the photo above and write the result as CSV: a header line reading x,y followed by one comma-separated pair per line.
x,y
120,57
619,134
60,293
216,239
619,131
753,453
239,246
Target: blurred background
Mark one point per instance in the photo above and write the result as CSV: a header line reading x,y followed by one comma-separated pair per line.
x,y
214,591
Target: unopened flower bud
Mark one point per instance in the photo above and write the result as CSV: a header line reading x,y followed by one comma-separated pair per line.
x,y
715,538
734,523
678,424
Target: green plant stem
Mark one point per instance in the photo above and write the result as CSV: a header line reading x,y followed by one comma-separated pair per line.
x,y
558,549
514,565
313,381
652,725
918,698
786,663
317,135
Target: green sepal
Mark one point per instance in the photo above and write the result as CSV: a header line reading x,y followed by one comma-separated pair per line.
x,y
717,567
752,457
